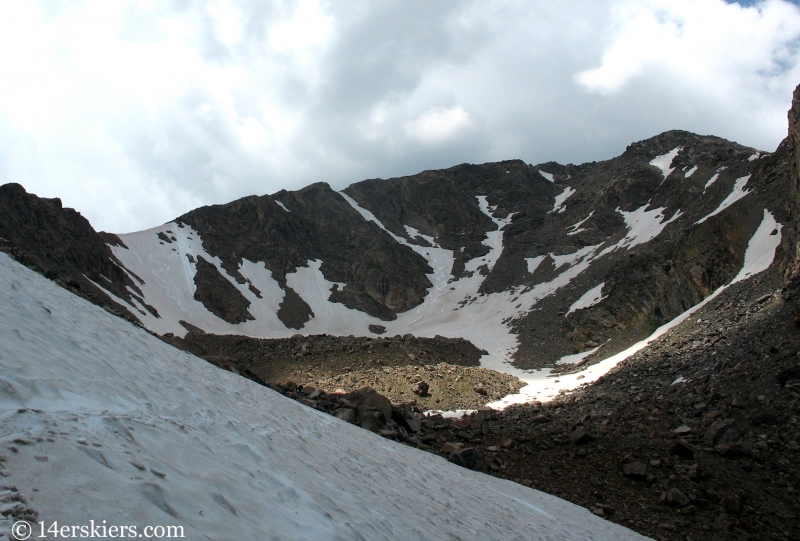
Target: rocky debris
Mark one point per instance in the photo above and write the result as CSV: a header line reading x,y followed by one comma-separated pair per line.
x,y
466,457
364,407
390,365
420,388
635,470
14,507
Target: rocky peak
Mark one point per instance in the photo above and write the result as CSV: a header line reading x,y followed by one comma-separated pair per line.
x,y
61,244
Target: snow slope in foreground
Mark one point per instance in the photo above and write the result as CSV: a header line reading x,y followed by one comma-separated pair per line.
x,y
93,395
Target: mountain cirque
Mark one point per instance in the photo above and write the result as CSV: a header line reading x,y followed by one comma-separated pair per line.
x,y
692,437
502,254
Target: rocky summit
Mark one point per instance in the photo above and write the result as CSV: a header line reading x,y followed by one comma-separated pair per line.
x,y
641,312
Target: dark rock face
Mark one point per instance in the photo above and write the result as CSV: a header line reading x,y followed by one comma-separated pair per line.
x,y
645,286
382,277
218,295
294,312
61,244
442,204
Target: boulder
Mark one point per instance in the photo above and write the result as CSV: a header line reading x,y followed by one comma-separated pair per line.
x,y
467,457
370,398
420,388
635,470
580,437
682,449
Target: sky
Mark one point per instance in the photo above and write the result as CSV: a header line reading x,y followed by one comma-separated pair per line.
x,y
135,112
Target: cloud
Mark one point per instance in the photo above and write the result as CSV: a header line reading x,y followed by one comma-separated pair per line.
x,y
134,112
438,124
709,43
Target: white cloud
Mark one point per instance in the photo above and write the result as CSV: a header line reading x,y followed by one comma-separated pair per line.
x,y
439,124
137,111
703,42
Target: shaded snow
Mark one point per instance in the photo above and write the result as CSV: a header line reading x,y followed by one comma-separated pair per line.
x,y
577,357
534,262
664,161
737,193
576,228
644,225
713,178
588,299
559,206
234,460
753,157
574,257
548,176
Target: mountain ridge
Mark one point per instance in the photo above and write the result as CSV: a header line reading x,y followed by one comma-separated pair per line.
x,y
378,246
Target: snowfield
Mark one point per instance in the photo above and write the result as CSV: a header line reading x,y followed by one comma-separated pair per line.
x,y
112,424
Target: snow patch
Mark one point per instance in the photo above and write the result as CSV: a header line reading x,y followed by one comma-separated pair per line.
x,y
414,233
713,179
577,357
588,299
576,228
754,157
737,193
574,257
548,176
559,206
644,225
282,206
690,172
664,161
534,262
761,248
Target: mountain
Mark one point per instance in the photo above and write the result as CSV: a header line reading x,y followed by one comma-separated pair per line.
x,y
533,264
650,303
